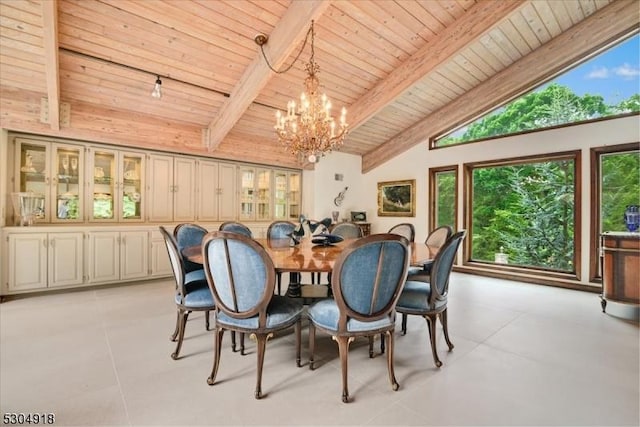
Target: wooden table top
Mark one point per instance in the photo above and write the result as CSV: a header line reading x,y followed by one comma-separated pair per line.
x,y
307,257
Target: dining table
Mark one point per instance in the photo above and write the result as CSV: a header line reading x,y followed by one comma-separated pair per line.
x,y
307,257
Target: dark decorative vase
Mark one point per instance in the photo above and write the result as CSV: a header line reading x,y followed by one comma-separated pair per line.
x,y
632,217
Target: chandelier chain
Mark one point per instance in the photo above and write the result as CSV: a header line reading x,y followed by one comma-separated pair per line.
x,y
306,38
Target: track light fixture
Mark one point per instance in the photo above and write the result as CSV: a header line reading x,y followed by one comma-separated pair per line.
x,y
157,89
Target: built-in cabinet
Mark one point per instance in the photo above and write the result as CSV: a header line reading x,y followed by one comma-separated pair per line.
x,y
53,175
171,188
114,256
44,260
116,185
215,191
287,188
255,193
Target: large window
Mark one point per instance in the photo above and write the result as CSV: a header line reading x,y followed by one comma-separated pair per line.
x,y
604,86
615,172
443,184
524,210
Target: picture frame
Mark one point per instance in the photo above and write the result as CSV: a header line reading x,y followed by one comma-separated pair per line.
x,y
358,216
397,198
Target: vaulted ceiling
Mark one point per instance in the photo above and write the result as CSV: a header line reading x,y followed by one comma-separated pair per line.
x,y
405,70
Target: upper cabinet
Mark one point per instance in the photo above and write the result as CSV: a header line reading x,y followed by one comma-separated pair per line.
x,y
87,182
255,193
171,188
287,189
215,191
116,187
54,175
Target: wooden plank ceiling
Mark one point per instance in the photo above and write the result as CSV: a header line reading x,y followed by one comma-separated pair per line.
x,y
405,70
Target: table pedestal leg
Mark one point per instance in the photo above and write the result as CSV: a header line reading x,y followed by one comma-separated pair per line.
x,y
294,289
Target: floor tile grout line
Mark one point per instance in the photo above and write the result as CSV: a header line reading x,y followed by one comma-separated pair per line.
x,y
113,363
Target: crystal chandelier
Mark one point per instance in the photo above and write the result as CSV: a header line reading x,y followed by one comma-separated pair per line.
x,y
307,129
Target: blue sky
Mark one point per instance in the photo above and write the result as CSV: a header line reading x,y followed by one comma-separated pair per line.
x,y
614,74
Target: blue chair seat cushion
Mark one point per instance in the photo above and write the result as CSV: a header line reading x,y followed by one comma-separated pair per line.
x,y
281,311
415,296
195,276
325,314
197,295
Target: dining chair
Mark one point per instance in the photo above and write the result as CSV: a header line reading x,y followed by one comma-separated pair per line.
x,y
429,299
347,230
236,227
282,230
192,292
404,229
187,234
367,280
435,240
241,277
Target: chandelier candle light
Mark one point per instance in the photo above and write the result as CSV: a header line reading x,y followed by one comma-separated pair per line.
x,y
307,129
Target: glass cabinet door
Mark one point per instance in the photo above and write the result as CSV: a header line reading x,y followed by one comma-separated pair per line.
x,y
32,178
103,185
247,193
131,186
263,188
280,195
67,166
295,189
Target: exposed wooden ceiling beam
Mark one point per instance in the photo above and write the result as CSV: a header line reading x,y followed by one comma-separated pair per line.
x,y
286,36
50,41
591,35
477,21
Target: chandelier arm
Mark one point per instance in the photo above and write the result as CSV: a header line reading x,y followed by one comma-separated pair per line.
x,y
264,55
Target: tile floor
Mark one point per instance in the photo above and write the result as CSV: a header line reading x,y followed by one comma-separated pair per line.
x,y
524,355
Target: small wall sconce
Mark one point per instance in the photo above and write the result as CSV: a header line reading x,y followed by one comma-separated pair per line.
x,y
157,89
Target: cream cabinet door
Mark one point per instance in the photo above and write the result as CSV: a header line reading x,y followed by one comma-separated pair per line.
x,y
160,188
65,259
227,196
207,191
159,258
27,266
103,256
134,257
184,189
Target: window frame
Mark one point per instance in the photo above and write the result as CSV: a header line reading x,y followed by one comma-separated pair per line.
x,y
595,154
433,195
510,271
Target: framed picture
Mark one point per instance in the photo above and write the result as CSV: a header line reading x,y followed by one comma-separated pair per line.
x,y
397,198
358,216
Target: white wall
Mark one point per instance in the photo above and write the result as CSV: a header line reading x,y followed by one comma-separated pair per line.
x,y
415,164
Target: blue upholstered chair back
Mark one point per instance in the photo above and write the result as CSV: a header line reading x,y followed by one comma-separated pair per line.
x,y
236,227
280,229
189,235
442,266
438,236
240,273
405,229
368,276
177,261
347,230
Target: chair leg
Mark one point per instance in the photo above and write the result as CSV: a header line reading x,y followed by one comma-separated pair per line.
x,y
241,344
404,324
261,344
217,345
312,343
343,348
370,346
183,322
175,333
431,326
298,331
233,341
445,328
206,320
279,282
381,343
392,376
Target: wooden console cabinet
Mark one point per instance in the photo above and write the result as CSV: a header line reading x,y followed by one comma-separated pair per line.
x,y
620,268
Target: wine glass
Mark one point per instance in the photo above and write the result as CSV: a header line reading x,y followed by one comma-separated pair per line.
x,y
74,165
65,164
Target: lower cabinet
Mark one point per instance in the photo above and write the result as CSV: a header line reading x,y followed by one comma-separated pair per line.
x,y
160,266
44,260
115,255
